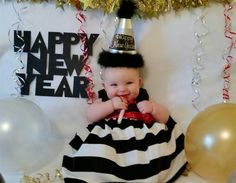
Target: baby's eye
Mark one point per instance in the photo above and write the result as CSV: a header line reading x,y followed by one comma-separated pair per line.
x,y
129,82
113,84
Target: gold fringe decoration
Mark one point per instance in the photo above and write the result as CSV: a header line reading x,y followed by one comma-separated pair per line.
x,y
146,8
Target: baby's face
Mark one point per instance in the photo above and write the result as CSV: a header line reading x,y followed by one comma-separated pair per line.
x,y
122,81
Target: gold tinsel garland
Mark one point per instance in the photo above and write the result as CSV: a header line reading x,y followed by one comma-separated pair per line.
x,y
146,8
43,178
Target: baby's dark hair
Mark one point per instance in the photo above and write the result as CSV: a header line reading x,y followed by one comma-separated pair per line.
x,y
101,73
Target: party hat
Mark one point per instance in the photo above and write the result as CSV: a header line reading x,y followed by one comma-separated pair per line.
x,y
123,40
122,52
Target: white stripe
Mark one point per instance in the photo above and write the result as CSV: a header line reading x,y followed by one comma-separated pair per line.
x,y
129,132
128,158
92,177
162,177
176,164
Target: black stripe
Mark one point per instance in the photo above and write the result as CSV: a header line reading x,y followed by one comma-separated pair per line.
x,y
176,176
76,142
70,180
138,171
126,123
122,146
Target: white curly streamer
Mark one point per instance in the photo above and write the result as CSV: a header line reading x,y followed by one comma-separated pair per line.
x,y
200,30
16,26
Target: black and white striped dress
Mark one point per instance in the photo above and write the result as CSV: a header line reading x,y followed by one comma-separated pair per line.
x,y
132,151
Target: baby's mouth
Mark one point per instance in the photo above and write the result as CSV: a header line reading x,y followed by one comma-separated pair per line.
x,y
126,96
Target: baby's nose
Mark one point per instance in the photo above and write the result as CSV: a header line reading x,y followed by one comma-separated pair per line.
x,y
122,88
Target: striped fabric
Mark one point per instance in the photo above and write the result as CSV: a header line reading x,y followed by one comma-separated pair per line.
x,y
128,152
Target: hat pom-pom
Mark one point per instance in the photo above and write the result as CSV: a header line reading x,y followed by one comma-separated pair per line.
x,y
127,9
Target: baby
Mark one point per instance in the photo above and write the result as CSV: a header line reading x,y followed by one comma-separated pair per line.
x,y
130,137
147,145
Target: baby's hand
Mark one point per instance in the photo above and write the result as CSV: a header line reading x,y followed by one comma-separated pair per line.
x,y
145,106
119,103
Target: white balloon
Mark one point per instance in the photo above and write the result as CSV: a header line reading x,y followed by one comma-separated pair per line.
x,y
1,179
24,136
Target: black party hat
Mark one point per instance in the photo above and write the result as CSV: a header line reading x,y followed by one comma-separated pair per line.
x,y
122,52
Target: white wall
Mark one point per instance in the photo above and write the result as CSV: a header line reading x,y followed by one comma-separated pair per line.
x,y
167,44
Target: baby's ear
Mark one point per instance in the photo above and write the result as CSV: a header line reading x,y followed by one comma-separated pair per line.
x,y
140,81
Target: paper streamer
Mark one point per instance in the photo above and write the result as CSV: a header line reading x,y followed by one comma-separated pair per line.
x,y
228,58
121,114
84,48
200,30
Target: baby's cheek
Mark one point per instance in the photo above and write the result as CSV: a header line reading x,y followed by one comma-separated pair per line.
x,y
134,95
111,94
131,98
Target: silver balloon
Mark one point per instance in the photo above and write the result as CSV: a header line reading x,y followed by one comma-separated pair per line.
x,y
24,136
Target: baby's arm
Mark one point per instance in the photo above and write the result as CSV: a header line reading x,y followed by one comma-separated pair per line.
x,y
99,110
159,112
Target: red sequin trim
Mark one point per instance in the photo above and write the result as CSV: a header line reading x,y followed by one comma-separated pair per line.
x,y
146,118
